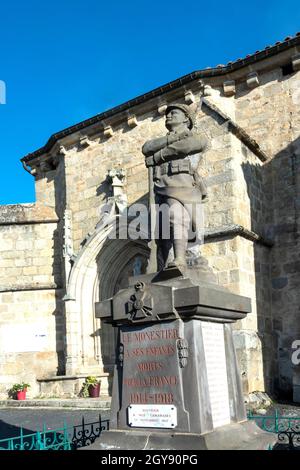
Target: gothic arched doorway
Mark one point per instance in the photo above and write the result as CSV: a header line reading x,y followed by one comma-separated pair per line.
x,y
102,267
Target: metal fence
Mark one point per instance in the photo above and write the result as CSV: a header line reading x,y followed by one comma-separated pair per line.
x,y
287,429
65,438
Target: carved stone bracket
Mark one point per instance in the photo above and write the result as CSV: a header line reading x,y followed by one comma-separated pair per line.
x,y
62,150
34,171
48,165
296,62
132,121
252,80
229,88
189,97
108,131
85,142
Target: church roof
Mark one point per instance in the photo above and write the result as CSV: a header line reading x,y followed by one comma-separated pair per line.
x,y
209,72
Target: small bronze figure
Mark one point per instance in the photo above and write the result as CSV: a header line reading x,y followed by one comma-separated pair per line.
x,y
175,158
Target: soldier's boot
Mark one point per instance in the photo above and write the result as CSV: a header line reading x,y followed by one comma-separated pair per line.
x,y
180,247
163,251
179,223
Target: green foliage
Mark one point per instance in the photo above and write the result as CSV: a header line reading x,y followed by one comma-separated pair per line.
x,y
19,387
89,381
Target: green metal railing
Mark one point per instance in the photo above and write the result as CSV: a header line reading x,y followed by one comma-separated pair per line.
x,y
57,439
276,423
287,429
65,438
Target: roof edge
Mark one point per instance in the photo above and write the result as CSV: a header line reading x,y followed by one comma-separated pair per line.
x,y
198,74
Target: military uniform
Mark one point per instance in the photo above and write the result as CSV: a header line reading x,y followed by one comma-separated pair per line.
x,y
175,158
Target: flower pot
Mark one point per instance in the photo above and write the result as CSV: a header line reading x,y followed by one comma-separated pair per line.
x,y
21,395
94,391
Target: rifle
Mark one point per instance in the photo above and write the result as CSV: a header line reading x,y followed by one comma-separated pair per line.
x,y
152,262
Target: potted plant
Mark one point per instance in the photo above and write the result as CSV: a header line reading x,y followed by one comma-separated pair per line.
x,y
19,390
91,387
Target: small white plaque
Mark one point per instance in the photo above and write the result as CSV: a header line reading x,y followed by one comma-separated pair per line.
x,y
152,416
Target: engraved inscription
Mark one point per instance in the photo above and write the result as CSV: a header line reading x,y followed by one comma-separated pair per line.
x,y
151,358
214,347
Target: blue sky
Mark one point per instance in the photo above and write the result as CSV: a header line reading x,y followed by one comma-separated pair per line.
x,y
64,61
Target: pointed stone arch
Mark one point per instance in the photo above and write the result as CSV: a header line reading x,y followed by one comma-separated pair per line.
x,y
90,349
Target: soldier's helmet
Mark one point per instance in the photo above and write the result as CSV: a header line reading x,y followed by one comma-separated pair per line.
x,y
186,110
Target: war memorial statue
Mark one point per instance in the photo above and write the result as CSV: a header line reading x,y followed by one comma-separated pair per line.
x,y
175,159
177,383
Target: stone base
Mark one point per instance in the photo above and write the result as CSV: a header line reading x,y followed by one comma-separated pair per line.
x,y
101,404
68,386
237,436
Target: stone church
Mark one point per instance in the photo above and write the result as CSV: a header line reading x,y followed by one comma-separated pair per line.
x,y
57,259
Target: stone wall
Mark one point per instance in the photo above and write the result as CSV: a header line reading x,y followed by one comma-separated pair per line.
x,y
31,319
27,256
31,338
270,113
86,172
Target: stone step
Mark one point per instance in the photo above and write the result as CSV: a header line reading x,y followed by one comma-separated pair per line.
x,y
83,403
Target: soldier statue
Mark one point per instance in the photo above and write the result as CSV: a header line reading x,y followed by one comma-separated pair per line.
x,y
174,159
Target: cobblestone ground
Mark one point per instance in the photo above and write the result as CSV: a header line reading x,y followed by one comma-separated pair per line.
x,y
32,420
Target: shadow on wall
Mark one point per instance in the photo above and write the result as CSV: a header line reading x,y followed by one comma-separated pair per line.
x,y
274,193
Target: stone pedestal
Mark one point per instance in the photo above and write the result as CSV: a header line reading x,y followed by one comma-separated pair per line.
x,y
176,382
235,436
188,364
